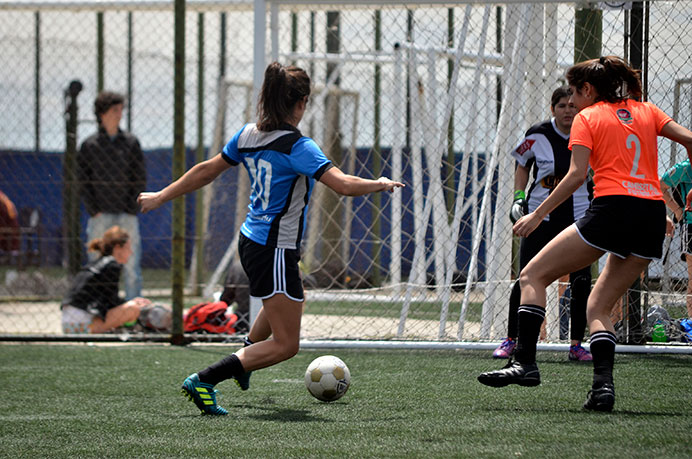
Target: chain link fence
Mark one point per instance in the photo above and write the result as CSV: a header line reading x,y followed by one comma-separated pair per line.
x,y
435,94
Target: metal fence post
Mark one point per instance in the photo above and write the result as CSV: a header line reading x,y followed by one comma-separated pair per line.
x,y
73,248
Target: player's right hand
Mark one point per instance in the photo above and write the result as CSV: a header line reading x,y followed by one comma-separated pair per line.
x,y
526,224
389,184
149,201
520,206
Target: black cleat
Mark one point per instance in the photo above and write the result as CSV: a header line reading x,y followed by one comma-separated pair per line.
x,y
513,373
601,399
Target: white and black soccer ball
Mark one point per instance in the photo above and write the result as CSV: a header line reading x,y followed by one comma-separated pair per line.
x,y
327,378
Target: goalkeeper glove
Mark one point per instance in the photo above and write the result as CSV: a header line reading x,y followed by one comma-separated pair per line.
x,y
520,206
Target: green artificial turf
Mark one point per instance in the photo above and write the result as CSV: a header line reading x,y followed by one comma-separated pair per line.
x,y
418,309
124,401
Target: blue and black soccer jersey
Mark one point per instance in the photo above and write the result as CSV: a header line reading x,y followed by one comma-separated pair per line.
x,y
283,166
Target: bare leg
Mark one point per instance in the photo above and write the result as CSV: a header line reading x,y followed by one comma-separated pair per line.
x,y
616,312
564,254
283,316
617,276
260,330
126,312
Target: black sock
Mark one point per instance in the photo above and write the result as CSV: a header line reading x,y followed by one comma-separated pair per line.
x,y
530,320
247,342
226,368
603,352
580,287
513,319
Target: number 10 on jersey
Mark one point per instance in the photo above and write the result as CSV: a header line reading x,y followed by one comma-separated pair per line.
x,y
261,176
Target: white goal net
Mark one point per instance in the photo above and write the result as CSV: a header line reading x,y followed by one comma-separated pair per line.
x,y
432,94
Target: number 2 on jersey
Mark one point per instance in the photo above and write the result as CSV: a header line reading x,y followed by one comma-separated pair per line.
x,y
261,176
633,142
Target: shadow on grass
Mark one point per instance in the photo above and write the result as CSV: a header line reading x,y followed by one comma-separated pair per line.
x,y
630,413
578,410
279,414
262,413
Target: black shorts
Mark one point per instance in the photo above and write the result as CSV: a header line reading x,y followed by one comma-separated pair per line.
x,y
539,238
271,270
625,225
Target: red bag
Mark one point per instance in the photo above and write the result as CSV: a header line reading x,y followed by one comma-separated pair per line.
x,y
210,317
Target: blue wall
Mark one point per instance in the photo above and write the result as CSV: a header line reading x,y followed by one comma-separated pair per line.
x,y
32,179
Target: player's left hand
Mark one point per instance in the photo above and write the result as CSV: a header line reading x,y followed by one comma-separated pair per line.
x,y
526,224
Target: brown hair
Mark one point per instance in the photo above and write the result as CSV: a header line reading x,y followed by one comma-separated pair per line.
x,y
559,93
105,100
612,77
282,88
114,236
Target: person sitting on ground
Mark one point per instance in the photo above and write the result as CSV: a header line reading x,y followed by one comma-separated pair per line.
x,y
92,304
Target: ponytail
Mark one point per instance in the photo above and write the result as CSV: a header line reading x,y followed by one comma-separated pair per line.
x,y
282,88
612,77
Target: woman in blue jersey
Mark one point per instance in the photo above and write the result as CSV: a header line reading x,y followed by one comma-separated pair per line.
x,y
283,166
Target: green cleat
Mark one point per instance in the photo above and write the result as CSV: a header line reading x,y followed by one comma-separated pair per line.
x,y
203,395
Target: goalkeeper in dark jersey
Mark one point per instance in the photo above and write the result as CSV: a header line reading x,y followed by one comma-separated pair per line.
x,y
544,152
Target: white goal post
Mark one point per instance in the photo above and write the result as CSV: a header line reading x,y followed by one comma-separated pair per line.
x,y
415,81
446,250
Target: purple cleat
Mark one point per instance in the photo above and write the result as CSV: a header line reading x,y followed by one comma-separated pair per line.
x,y
505,350
578,353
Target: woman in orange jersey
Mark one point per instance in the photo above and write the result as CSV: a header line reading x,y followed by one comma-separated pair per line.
x,y
616,135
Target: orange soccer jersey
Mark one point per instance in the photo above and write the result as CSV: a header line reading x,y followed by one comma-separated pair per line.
x,y
624,150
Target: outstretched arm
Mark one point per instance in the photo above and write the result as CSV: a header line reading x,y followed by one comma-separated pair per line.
x,y
350,185
198,176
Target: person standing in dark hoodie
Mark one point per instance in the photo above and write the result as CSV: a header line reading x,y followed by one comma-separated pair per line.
x,y
111,174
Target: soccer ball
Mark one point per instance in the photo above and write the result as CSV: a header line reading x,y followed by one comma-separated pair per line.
x,y
327,378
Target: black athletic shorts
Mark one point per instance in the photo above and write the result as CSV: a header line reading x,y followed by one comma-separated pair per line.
x,y
271,270
625,225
